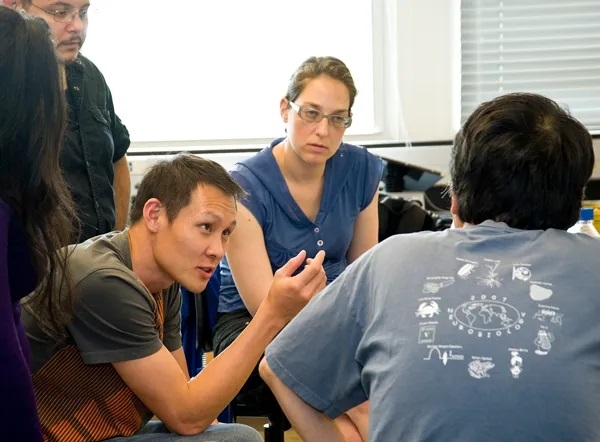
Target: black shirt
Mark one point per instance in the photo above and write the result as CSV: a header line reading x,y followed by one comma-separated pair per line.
x,y
95,140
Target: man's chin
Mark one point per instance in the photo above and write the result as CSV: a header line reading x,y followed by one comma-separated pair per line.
x,y
195,286
67,57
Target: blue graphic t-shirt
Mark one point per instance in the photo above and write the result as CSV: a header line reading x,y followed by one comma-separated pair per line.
x,y
481,333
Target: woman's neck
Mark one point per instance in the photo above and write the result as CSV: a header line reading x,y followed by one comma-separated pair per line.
x,y
293,167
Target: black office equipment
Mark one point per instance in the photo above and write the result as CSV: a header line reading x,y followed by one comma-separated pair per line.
x,y
399,176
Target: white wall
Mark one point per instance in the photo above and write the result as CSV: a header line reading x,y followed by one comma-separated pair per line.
x,y
416,75
429,67
428,77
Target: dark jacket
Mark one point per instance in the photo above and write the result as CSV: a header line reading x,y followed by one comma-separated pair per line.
x,y
95,140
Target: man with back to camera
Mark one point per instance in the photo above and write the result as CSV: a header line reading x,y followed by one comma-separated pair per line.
x,y
93,158
121,360
493,334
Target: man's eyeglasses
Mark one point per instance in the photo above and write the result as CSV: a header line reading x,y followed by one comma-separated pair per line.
x,y
311,115
65,15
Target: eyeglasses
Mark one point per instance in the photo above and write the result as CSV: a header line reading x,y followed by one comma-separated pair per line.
x,y
311,115
65,14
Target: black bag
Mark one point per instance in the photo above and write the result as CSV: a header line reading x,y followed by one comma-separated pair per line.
x,y
400,215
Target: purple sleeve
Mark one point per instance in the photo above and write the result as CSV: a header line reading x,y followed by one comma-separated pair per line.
x,y
18,413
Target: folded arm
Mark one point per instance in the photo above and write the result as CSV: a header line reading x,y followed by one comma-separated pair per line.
x,y
310,423
189,407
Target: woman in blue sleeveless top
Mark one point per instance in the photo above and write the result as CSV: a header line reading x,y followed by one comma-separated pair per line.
x,y
307,191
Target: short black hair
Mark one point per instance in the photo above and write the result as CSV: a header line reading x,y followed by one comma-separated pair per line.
x,y
172,182
523,160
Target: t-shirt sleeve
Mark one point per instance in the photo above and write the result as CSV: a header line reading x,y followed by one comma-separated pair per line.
x,y
253,199
114,319
172,328
372,173
316,354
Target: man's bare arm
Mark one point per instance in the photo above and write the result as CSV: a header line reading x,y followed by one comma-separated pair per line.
x,y
122,187
179,356
310,424
190,407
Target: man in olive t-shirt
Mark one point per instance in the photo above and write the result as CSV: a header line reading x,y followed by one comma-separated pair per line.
x,y
121,361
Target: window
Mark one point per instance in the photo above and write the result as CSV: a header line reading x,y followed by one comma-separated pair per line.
x,y
549,47
193,72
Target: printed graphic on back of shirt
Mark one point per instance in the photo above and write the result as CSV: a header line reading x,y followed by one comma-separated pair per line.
x,y
499,299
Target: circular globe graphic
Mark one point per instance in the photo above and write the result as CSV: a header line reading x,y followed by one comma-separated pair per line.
x,y
487,315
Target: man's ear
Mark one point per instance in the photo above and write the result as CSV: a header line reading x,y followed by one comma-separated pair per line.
x,y
152,214
453,205
456,221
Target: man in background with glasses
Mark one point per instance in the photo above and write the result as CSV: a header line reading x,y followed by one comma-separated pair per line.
x,y
93,158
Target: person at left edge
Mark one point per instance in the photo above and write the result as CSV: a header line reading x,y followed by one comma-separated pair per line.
x,y
36,211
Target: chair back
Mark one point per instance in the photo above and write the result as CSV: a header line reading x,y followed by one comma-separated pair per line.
x,y
198,319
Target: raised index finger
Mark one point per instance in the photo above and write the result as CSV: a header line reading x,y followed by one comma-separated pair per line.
x,y
312,268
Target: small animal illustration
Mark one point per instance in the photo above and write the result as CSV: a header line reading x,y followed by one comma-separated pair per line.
x,y
479,369
434,287
427,310
466,270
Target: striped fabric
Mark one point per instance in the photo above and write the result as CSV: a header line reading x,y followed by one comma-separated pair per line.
x,y
87,403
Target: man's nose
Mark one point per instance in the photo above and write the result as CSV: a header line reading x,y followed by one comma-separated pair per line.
x,y
76,24
216,247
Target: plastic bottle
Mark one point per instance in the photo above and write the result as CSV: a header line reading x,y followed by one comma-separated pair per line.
x,y
597,217
585,223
